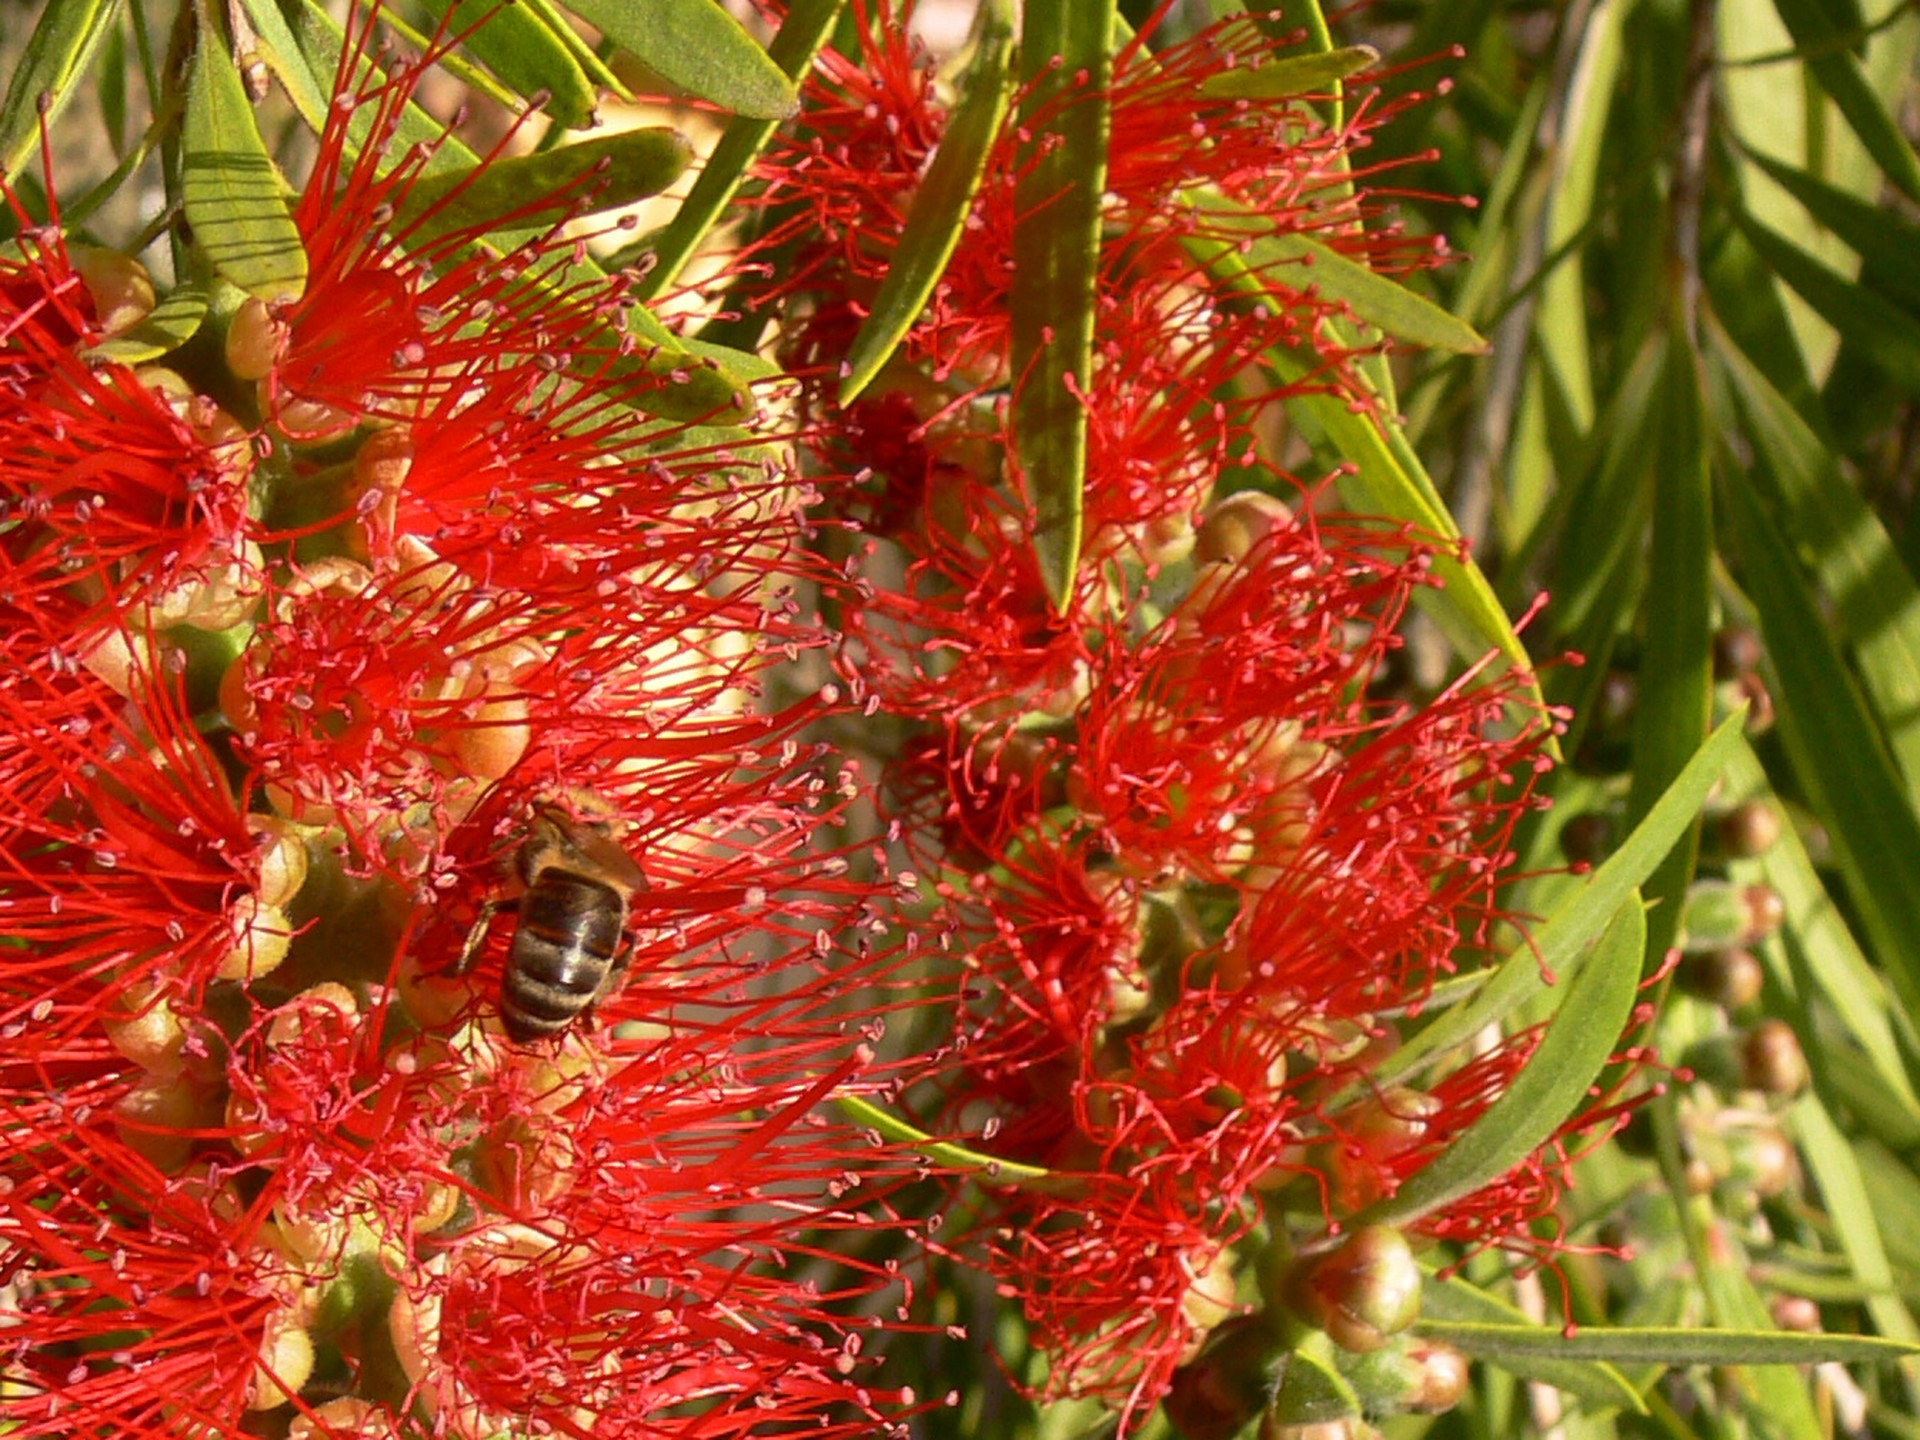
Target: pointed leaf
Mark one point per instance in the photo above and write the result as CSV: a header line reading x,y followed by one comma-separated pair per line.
x,y
1578,1042
1598,1384
1066,62
699,47
233,196
1674,709
533,192
799,39
1825,54
989,1169
1852,1213
276,45
1583,915
58,52
1887,242
1299,262
938,213
1312,1392
512,42
168,326
1888,334
1270,78
1836,751
1662,1345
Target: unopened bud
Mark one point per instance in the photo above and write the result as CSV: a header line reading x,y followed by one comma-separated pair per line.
x,y
1231,1380
1772,1061
1731,978
1737,651
121,289
262,935
1748,830
1236,523
155,1119
1362,1293
1721,915
286,1361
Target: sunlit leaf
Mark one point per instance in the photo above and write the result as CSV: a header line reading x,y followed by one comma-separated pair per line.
x,y
60,50
512,42
700,47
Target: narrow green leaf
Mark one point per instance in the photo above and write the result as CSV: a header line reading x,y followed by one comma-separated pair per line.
x,y
1825,54
170,324
1674,709
1885,332
1858,564
1272,78
938,212
1834,747
1598,1384
1583,915
699,47
512,42
1853,1213
1663,1345
1066,63
110,75
59,51
233,196
1884,240
800,37
989,1169
519,192
275,44
1575,1048
1312,1392
1299,262
598,72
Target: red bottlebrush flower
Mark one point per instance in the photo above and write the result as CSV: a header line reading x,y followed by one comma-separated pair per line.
x,y
276,755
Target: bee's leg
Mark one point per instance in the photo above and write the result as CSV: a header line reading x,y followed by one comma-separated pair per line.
x,y
477,933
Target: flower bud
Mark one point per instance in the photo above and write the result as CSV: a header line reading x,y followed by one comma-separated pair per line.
x,y
1720,914
1231,1380
1236,523
262,935
254,338
1362,1293
1737,651
1731,978
121,289
1772,1061
1748,830
286,1360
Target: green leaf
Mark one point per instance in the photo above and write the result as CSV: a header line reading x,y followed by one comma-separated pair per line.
x,y
1823,47
1578,1042
1852,1212
512,42
1312,1392
800,37
699,47
1859,566
939,209
530,193
1583,915
1674,709
275,45
1661,1345
233,195
168,326
1598,1384
1299,262
1885,332
57,55
1884,240
1836,751
989,1169
1270,78
1065,61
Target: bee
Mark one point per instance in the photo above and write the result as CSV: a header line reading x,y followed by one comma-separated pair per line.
x,y
569,949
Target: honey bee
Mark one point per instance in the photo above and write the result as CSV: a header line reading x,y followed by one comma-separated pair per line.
x,y
569,949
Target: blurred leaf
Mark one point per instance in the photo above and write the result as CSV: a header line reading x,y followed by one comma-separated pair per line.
x,y
938,213
168,326
1598,1384
276,45
1854,1215
699,47
1312,1392
1673,710
58,53
110,75
1062,168
535,192
1299,262
1575,924
1678,1345
1857,562
1885,241
512,42
799,39
1272,78
1884,331
1775,1396
1577,1044
233,196
1823,49
1836,751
